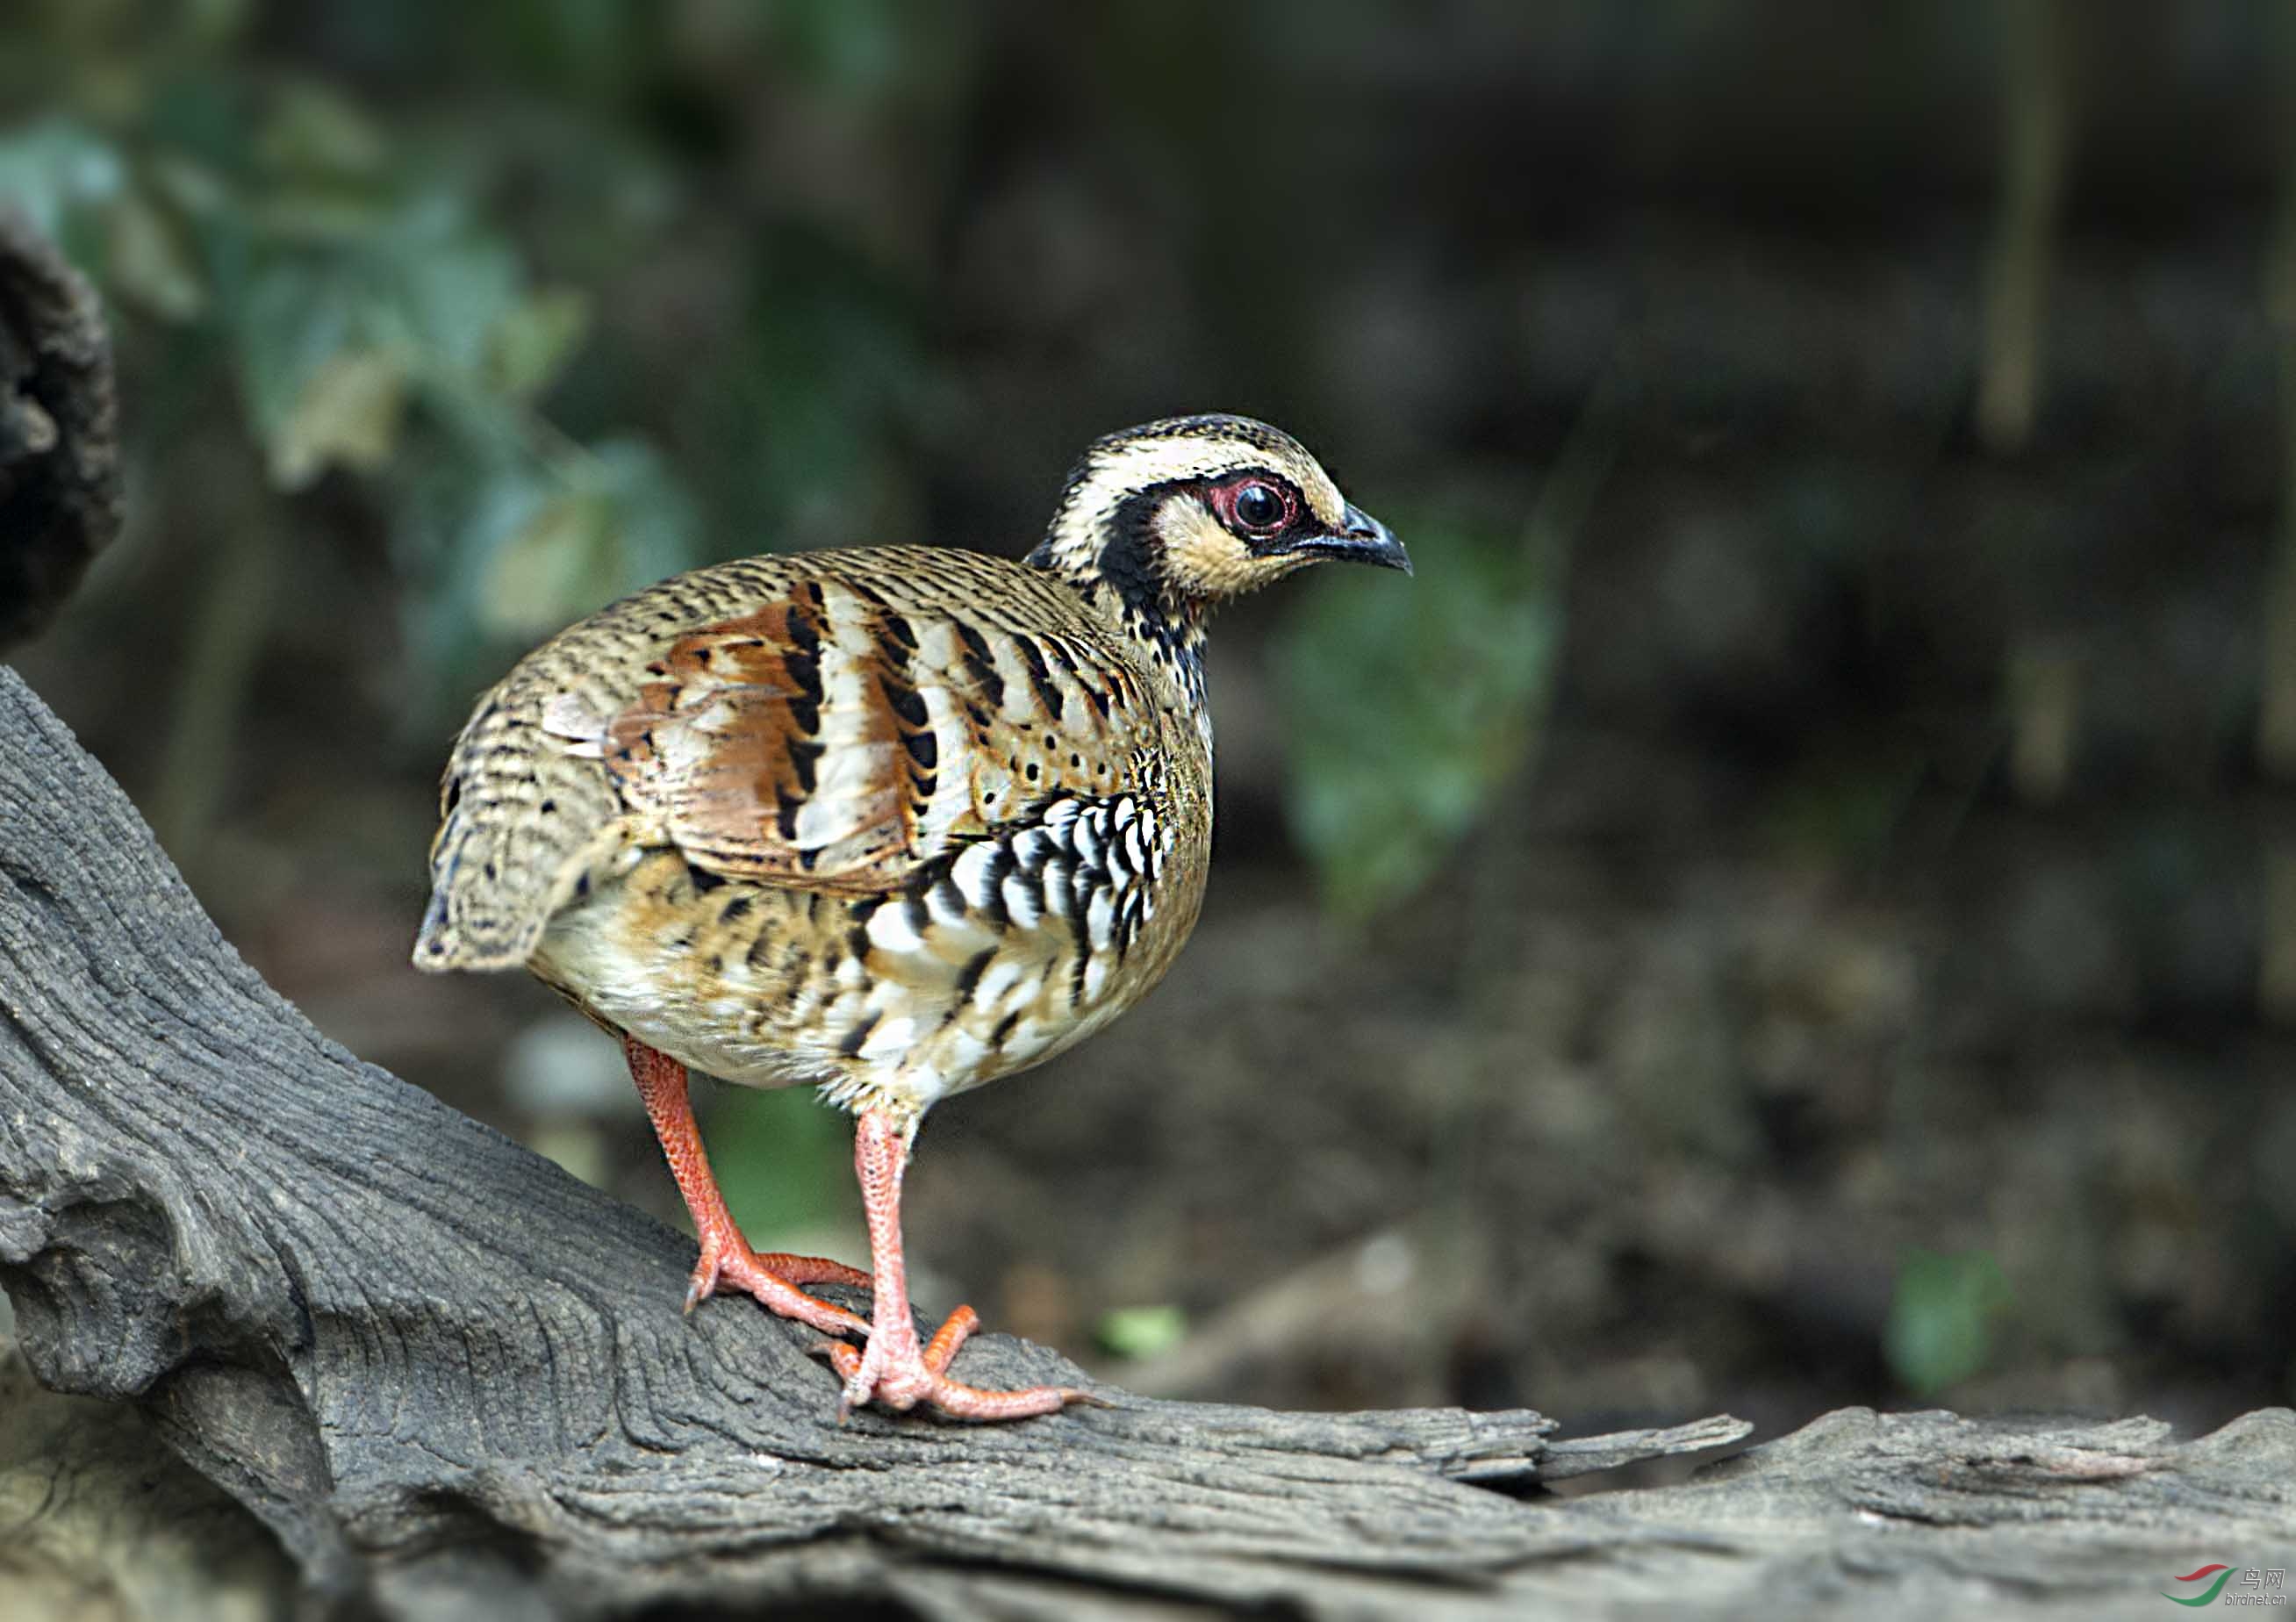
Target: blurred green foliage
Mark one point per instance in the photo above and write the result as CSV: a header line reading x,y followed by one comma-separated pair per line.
x,y
1408,709
362,318
359,275
783,1161
1942,1318
1407,706
1142,1332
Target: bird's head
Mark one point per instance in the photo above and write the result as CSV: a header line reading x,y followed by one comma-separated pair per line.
x,y
1176,517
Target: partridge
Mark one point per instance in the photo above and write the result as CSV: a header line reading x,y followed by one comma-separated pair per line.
x,y
890,822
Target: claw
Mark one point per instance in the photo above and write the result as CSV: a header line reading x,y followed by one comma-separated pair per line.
x,y
703,1284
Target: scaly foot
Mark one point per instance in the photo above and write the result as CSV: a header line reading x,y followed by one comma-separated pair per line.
x,y
727,1263
896,1374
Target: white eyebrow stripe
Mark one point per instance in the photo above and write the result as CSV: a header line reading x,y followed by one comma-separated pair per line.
x,y
1142,462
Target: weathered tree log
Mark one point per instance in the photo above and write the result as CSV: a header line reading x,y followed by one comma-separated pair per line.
x,y
59,500
453,1380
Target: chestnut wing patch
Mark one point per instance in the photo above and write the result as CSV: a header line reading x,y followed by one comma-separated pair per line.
x,y
829,740
766,750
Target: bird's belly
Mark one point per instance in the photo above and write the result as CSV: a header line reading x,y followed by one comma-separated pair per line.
x,y
904,998
652,955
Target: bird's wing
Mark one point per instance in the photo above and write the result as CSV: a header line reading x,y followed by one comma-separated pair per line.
x,y
842,734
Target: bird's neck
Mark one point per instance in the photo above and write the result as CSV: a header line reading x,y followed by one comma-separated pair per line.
x,y
1114,564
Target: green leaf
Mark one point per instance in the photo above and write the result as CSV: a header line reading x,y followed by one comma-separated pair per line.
x,y
293,320
189,186
535,338
314,130
505,548
149,261
1408,704
1941,1317
349,317
559,561
452,286
55,170
1142,1332
851,46
659,525
347,415
326,217
213,23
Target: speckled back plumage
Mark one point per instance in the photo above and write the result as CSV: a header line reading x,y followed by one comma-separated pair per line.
x,y
894,820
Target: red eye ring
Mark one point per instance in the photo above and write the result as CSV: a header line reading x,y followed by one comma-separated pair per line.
x,y
1256,505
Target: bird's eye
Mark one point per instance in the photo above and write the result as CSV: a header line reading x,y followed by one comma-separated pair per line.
x,y
1259,505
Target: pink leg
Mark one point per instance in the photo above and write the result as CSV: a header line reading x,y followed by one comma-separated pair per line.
x,y
726,1257
895,1371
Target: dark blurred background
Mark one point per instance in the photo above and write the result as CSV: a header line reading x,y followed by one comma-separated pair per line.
x,y
1794,905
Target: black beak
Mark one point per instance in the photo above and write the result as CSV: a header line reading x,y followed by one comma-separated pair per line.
x,y
1360,539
